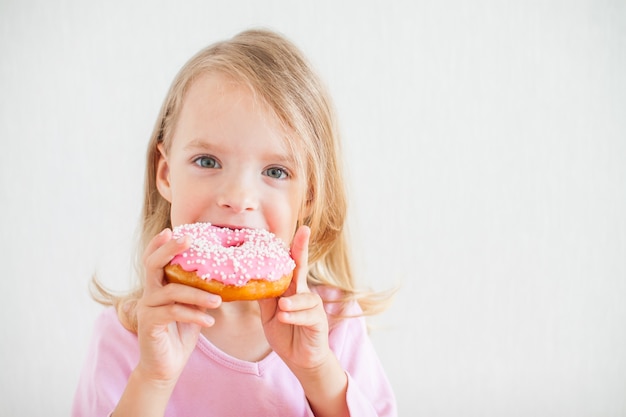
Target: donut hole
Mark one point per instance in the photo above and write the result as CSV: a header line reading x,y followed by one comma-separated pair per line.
x,y
233,244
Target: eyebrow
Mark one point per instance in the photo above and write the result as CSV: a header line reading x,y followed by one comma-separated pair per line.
x,y
199,144
203,145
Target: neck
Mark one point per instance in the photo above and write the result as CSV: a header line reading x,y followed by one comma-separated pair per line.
x,y
238,331
237,310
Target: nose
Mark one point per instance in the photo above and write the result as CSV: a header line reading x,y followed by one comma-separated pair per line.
x,y
238,194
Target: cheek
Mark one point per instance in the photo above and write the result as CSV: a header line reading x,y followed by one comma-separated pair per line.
x,y
287,216
186,205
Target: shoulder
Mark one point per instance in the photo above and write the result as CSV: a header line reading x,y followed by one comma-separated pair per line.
x,y
112,354
109,321
110,337
347,325
336,303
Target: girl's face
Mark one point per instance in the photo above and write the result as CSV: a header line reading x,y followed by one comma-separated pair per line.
x,y
228,163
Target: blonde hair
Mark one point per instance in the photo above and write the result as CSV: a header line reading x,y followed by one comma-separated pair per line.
x,y
281,78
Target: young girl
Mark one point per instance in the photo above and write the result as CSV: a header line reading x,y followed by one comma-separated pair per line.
x,y
246,137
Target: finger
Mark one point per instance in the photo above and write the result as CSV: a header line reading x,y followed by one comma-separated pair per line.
x,y
183,294
302,310
306,318
180,313
299,302
157,241
161,250
300,254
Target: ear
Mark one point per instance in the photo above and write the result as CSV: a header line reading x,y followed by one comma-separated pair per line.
x,y
163,175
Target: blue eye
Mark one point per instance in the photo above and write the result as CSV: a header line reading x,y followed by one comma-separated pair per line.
x,y
207,162
275,172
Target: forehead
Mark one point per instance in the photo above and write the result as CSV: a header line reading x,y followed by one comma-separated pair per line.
x,y
214,94
217,107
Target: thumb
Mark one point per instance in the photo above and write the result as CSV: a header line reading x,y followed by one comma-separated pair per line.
x,y
300,254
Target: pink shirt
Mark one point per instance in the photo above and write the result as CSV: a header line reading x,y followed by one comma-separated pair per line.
x,y
216,384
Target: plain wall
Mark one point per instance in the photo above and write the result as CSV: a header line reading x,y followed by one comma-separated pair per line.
x,y
485,144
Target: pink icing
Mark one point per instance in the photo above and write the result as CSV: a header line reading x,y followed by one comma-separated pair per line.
x,y
233,256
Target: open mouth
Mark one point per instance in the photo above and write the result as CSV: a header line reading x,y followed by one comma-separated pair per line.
x,y
231,227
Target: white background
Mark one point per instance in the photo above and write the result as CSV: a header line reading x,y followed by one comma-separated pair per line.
x,y
486,152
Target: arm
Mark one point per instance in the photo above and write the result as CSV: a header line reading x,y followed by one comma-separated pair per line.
x,y
169,318
339,370
369,391
296,327
143,396
325,388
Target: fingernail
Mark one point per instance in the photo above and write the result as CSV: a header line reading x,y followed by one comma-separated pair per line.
x,y
213,298
181,239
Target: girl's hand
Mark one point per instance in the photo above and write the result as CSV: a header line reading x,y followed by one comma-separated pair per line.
x,y
170,316
296,328
295,324
169,320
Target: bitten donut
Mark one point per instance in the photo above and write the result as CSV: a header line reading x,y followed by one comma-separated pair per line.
x,y
237,264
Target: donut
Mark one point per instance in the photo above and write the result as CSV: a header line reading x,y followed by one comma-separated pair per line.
x,y
237,264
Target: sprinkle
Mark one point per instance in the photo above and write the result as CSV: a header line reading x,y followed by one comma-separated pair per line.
x,y
231,255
